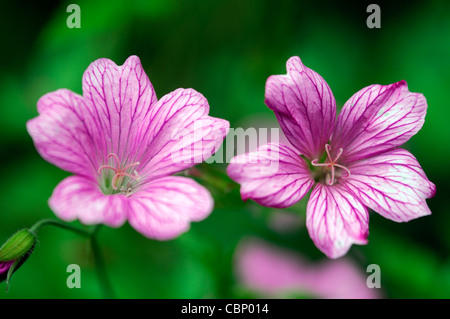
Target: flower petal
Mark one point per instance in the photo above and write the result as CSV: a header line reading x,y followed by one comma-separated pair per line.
x,y
180,134
378,118
304,106
62,132
121,97
274,175
336,219
164,208
392,184
79,198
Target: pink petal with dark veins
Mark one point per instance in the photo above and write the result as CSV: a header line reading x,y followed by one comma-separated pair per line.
x,y
79,198
164,208
62,132
120,98
392,184
180,134
378,118
274,175
304,106
336,220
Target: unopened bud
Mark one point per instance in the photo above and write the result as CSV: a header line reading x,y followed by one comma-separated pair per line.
x,y
17,245
14,252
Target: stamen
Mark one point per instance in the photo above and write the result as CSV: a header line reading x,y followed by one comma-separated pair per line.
x,y
114,180
338,155
344,168
328,149
106,166
129,175
131,165
115,156
332,164
120,172
127,191
314,163
331,181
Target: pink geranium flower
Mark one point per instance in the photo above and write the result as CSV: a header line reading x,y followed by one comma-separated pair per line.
x,y
123,145
353,161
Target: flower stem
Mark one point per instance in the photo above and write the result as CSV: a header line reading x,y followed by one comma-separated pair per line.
x,y
35,228
98,257
100,265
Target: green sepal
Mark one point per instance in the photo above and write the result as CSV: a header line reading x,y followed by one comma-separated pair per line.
x,y
17,245
11,270
14,267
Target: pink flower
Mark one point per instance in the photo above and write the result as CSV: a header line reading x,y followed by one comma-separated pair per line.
x,y
353,162
275,272
123,144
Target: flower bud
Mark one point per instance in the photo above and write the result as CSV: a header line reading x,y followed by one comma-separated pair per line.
x,y
14,252
17,245
8,268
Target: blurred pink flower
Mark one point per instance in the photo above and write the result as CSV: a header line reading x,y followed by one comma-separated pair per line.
x,y
274,272
354,161
123,144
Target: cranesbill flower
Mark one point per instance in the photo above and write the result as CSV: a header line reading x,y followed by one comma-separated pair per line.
x,y
123,145
354,161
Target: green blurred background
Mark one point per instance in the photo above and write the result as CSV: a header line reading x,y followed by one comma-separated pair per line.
x,y
225,50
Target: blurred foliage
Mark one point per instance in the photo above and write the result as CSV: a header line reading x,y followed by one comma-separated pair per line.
x,y
226,50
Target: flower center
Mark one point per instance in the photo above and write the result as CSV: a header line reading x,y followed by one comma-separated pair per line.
x,y
331,165
122,178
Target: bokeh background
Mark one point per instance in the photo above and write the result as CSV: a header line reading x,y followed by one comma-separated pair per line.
x,y
226,50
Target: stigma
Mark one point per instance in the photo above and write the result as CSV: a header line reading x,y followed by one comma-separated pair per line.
x,y
120,172
332,164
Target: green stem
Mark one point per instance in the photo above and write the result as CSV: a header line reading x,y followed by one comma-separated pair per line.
x,y
98,257
100,265
35,228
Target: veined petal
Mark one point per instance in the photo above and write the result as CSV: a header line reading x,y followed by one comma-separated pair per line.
x,y
304,106
274,175
120,97
392,184
79,198
378,118
336,219
62,132
180,134
164,208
